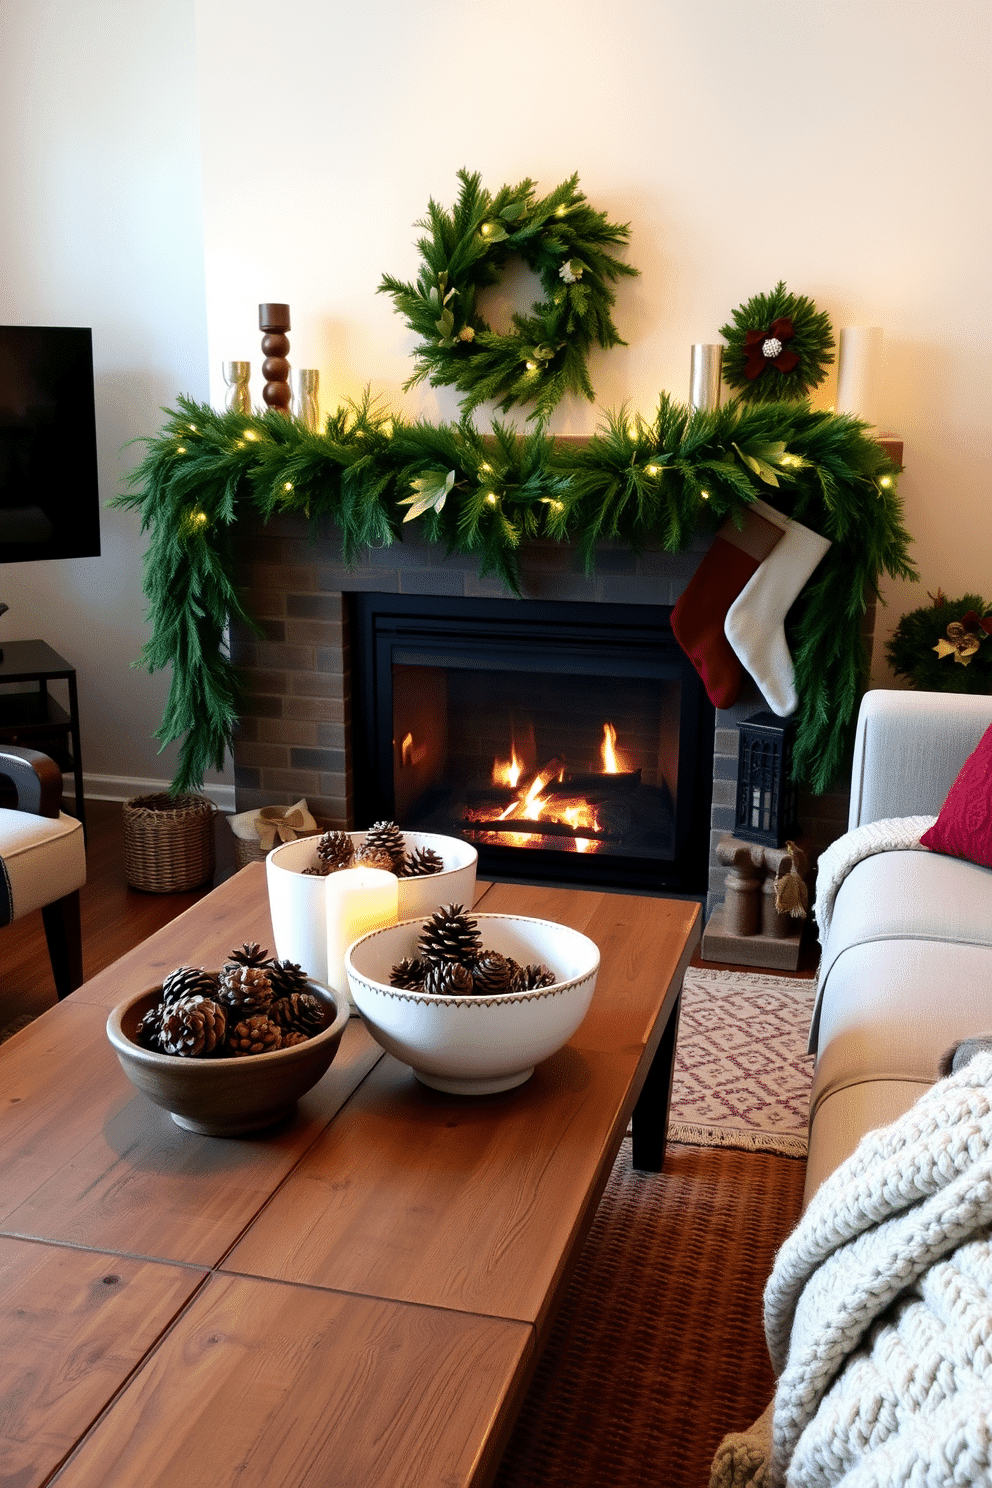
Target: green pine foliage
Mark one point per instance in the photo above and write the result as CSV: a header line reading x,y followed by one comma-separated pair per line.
x,y
643,484
813,343
466,249
911,650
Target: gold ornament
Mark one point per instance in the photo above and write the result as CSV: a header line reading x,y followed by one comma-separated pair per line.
x,y
963,638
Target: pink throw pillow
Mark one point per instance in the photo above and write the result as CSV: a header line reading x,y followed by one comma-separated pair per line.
x,y
964,827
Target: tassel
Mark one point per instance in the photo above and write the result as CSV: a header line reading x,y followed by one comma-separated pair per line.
x,y
791,893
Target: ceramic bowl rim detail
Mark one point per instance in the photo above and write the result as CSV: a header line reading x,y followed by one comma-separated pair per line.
x,y
430,838
471,999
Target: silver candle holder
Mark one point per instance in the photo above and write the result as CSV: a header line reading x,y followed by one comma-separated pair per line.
x,y
304,382
705,371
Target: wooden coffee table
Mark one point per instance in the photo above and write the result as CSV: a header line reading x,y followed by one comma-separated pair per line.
x,y
357,1298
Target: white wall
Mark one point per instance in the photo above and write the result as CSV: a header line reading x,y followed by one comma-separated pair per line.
x,y
840,145
101,226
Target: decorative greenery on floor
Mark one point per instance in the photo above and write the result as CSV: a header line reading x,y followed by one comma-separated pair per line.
x,y
641,483
946,646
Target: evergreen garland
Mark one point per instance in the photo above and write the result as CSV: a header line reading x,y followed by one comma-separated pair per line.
x,y
645,484
569,247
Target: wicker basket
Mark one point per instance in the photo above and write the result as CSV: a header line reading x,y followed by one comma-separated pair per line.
x,y
169,842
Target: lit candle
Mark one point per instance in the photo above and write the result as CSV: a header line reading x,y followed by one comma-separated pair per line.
x,y
356,900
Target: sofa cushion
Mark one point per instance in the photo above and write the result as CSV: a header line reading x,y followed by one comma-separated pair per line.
x,y
908,895
964,826
888,1011
41,859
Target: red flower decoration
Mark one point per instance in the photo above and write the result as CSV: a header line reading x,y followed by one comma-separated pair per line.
x,y
767,348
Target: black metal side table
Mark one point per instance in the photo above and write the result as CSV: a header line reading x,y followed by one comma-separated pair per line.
x,y
34,718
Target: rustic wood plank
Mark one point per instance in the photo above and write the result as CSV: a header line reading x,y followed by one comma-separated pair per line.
x,y
642,945
475,1204
480,1203
204,934
281,1387
73,1326
85,1159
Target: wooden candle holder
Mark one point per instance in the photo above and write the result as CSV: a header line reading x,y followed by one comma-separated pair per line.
x,y
274,321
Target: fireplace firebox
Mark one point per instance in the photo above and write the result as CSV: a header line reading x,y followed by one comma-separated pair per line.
x,y
568,742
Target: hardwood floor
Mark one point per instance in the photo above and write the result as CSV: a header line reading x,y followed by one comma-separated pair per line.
x,y
116,917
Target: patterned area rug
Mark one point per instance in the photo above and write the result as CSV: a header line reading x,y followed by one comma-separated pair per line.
x,y
742,1074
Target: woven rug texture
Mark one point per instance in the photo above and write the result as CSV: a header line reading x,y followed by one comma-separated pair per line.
x,y
742,1074
658,1350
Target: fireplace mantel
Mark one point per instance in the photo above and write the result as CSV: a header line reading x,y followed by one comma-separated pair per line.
x,y
294,738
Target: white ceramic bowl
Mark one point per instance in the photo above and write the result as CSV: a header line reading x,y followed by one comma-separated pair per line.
x,y
476,1045
227,1096
296,899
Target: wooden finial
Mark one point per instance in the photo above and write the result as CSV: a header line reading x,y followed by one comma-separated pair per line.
x,y
274,321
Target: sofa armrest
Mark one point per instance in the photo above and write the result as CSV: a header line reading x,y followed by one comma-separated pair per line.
x,y
908,749
36,779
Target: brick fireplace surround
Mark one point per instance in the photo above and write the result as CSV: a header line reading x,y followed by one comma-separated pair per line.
x,y
293,740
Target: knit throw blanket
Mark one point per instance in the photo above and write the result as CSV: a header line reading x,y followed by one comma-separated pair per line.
x,y
878,1312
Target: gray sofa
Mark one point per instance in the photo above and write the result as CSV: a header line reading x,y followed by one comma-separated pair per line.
x,y
906,965
879,1307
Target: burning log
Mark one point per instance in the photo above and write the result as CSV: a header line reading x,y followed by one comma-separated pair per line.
x,y
596,783
509,825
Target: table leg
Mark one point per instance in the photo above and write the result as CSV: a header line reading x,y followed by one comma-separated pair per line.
x,y
649,1125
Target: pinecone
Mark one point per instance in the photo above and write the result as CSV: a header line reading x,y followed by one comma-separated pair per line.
x,y
494,974
407,974
149,1029
292,1038
244,990
300,1011
250,954
255,1035
375,857
535,976
287,977
192,1027
448,979
449,935
386,836
188,981
421,861
319,870
335,850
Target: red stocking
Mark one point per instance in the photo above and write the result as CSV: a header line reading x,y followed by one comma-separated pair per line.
x,y
698,617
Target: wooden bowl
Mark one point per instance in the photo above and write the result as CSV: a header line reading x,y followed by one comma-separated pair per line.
x,y
229,1095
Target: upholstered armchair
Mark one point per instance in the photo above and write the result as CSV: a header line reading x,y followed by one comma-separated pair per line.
x,y
42,858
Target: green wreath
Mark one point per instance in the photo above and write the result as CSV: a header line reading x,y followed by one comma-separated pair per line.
x,y
778,348
568,246
946,646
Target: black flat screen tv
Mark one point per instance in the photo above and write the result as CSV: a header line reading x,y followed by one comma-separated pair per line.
x,y
49,492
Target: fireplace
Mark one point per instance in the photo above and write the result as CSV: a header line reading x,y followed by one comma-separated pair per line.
x,y
569,742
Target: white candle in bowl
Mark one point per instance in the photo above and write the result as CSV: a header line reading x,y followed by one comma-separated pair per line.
x,y
356,900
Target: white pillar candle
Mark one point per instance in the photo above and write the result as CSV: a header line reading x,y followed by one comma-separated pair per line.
x,y
859,372
356,900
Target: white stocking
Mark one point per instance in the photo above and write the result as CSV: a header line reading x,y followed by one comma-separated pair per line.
x,y
755,623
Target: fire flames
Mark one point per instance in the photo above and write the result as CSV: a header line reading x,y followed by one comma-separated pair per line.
x,y
564,806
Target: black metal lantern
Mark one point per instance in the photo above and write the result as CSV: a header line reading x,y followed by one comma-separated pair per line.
x,y
766,792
